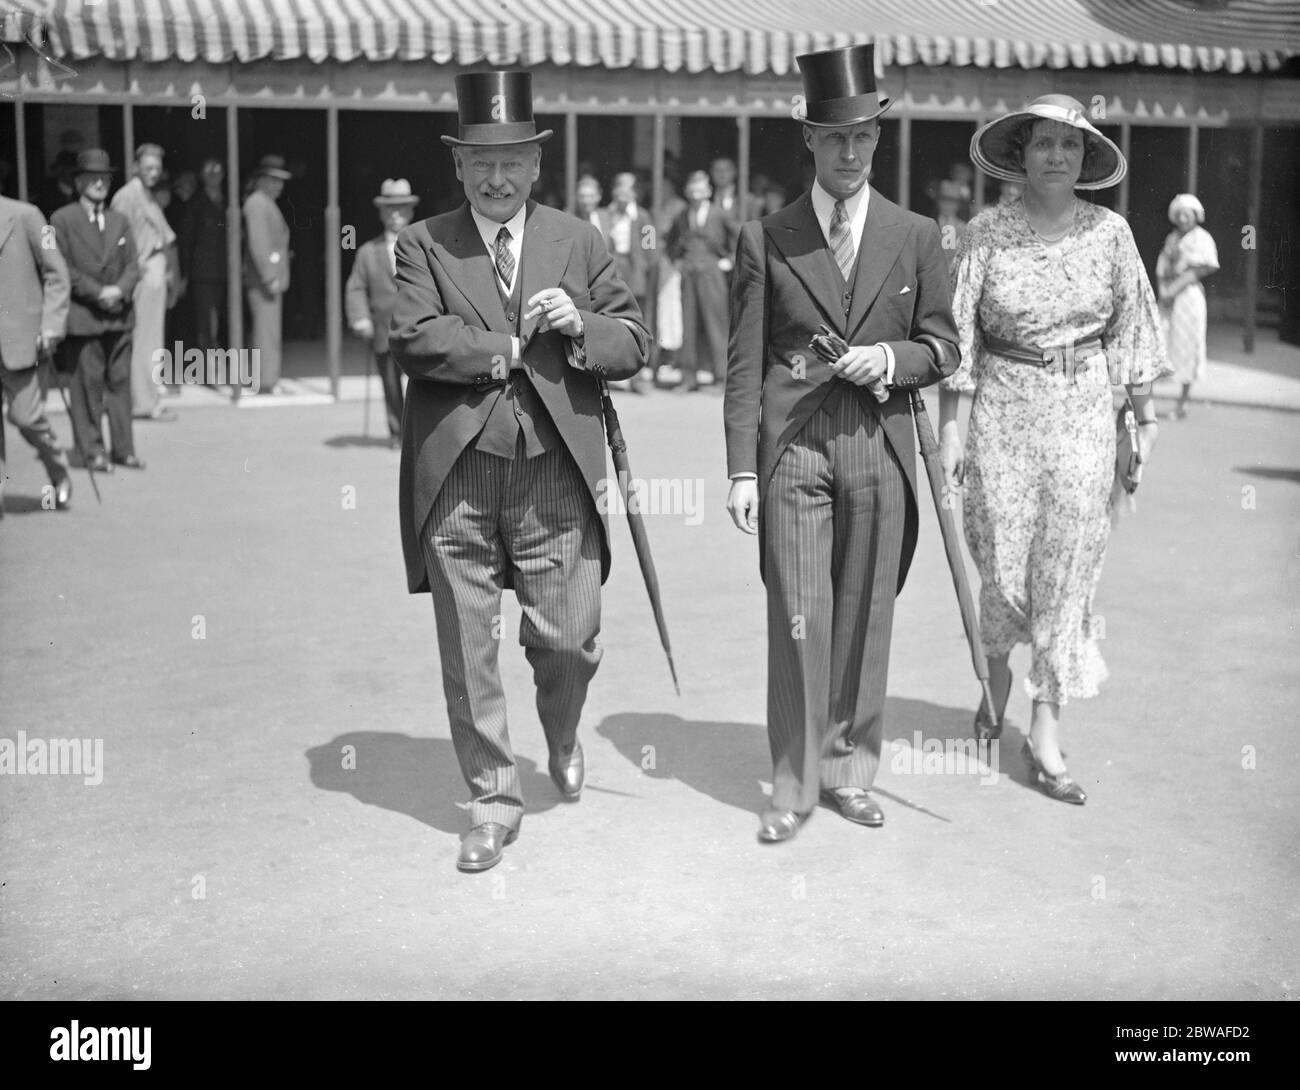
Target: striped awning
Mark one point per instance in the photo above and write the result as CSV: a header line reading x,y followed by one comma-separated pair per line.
x,y
756,36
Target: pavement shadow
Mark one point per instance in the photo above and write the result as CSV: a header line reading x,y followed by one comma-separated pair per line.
x,y
419,777
725,761
1270,473
341,441
19,504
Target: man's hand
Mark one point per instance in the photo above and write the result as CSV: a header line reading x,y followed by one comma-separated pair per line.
x,y
952,456
742,504
109,295
364,328
726,264
557,311
861,364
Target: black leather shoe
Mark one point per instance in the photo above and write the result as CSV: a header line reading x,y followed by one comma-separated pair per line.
x,y
855,805
568,772
63,492
99,464
775,826
1060,787
130,461
484,846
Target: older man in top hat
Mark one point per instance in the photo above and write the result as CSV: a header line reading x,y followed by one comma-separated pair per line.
x,y
155,249
372,288
822,470
508,316
266,266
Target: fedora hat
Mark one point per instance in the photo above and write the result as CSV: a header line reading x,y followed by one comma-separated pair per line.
x,y
495,109
274,166
994,150
395,192
94,161
839,87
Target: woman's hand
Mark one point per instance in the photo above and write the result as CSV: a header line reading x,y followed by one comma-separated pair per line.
x,y
952,457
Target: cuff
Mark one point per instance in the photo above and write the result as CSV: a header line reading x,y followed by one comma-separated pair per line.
x,y
744,477
889,363
576,353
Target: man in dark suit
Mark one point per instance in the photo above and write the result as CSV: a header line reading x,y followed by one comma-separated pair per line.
x,y
202,243
702,241
630,237
835,465
97,245
508,315
33,317
372,288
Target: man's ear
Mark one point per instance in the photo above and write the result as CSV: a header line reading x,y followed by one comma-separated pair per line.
x,y
455,158
807,137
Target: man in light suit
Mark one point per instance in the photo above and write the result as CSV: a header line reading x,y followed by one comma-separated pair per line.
x,y
99,249
33,318
508,315
835,467
266,266
702,241
372,289
155,250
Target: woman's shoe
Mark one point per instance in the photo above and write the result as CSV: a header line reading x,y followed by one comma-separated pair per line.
x,y
985,727
1061,787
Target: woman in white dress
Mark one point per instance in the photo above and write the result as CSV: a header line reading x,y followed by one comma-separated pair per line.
x,y
1188,257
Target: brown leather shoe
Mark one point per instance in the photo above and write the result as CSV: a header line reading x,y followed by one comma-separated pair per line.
x,y
483,847
775,826
568,772
855,805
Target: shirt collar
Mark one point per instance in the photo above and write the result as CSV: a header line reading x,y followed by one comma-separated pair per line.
x,y
490,228
824,203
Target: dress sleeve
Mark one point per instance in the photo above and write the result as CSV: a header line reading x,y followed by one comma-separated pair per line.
x,y
1202,251
1135,344
967,282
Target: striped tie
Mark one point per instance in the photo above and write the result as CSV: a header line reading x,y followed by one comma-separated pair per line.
x,y
842,242
505,259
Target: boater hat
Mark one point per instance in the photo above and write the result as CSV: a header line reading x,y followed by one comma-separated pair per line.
x,y
839,87
393,193
274,166
993,148
496,110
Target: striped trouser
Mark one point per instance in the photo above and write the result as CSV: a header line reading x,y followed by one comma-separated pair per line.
x,y
533,518
832,522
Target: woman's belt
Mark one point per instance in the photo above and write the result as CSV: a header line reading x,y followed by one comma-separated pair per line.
x,y
1053,357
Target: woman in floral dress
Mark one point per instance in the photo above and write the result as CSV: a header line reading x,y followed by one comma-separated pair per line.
x,y
1053,307
1187,257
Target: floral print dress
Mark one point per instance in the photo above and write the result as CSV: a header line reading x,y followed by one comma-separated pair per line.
x,y
1040,452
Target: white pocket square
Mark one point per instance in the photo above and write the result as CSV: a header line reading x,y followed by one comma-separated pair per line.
x,y
122,241
905,290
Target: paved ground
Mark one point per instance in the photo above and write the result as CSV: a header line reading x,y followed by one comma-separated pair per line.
x,y
228,852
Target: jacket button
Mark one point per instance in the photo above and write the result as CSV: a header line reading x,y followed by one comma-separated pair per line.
x,y
510,317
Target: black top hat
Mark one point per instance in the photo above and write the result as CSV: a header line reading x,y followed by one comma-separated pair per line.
x,y
496,108
839,87
94,161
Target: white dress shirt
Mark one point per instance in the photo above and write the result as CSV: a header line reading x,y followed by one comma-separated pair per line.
x,y
390,241
489,229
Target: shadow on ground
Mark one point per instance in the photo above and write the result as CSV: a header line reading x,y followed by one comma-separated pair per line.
x,y
419,777
1270,473
340,441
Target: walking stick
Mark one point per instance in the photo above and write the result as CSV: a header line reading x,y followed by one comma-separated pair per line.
x,y
365,349
48,358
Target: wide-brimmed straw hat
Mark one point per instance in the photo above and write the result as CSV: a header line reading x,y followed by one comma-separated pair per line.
x,y
394,192
993,148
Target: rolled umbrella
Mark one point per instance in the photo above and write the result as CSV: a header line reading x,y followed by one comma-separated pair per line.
x,y
830,346
956,564
640,540
47,358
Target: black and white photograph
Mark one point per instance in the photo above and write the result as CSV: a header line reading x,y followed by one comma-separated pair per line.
x,y
546,500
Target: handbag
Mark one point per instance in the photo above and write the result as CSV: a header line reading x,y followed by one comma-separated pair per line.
x,y
1128,453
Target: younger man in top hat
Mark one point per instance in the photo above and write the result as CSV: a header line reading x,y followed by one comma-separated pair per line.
x,y
372,288
834,467
508,315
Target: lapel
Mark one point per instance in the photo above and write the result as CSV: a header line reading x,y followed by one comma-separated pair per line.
x,y
795,232
883,236
472,270
544,255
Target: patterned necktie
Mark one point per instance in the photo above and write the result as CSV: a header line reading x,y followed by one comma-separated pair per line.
x,y
842,242
505,259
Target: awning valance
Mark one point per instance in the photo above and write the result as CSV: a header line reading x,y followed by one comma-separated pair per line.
x,y
755,36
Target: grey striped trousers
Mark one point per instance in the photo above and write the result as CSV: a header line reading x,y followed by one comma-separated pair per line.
x,y
832,523
535,518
